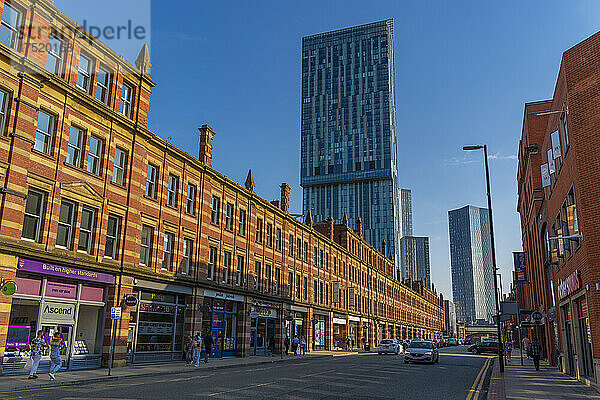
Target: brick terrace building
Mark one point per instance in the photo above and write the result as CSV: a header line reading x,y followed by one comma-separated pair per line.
x,y
563,204
96,208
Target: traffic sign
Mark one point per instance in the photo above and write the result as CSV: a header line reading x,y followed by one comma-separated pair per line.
x,y
115,313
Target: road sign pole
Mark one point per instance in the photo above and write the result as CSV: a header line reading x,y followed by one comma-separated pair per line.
x,y
112,345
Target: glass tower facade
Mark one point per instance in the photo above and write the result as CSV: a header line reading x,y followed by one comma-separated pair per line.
x,y
471,263
348,131
415,259
406,208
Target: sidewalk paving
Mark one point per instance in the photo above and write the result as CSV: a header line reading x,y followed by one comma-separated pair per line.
x,y
68,378
524,382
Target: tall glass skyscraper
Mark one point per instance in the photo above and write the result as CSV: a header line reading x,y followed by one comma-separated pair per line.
x,y
406,209
471,263
415,259
348,127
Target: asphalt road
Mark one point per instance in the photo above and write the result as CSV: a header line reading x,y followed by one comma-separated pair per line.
x,y
367,376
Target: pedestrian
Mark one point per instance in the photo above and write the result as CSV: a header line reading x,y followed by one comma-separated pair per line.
x,y
286,343
188,349
535,350
56,345
348,343
36,347
271,345
295,343
525,345
508,350
208,343
197,348
303,346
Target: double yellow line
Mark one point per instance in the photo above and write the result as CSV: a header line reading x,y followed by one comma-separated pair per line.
x,y
476,387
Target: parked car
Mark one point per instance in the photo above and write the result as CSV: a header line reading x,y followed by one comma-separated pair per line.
x,y
389,346
484,347
453,342
421,351
467,342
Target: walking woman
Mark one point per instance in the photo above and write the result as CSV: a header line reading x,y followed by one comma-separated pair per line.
x,y
208,343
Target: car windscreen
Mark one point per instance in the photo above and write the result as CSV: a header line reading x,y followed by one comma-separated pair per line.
x,y
387,341
420,345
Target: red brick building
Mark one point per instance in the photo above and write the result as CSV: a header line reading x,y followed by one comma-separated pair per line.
x,y
560,213
96,208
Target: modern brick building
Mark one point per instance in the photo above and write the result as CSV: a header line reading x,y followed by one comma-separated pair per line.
x,y
560,212
95,208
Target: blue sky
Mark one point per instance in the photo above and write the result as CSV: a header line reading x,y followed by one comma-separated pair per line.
x,y
463,71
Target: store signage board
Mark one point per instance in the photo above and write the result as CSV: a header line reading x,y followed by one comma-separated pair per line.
x,y
551,163
223,295
54,311
64,272
130,301
253,314
520,268
115,313
570,285
545,171
555,138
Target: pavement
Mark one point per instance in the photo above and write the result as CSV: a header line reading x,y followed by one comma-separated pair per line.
x,y
525,383
319,375
67,378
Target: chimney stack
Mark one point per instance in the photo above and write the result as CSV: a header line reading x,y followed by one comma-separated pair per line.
x,y
359,226
384,248
330,222
285,197
205,147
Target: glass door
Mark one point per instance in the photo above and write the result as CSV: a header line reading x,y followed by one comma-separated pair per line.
x,y
65,332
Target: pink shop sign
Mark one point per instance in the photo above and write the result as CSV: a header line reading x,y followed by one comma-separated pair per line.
x,y
61,290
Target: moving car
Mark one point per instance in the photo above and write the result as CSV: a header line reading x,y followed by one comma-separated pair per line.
x,y
468,342
421,351
484,347
389,346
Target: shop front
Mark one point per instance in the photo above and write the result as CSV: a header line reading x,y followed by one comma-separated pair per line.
x,y
353,331
221,319
340,332
156,323
56,298
584,341
320,332
296,325
263,326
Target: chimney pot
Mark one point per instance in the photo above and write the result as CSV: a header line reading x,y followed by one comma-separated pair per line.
x,y
205,146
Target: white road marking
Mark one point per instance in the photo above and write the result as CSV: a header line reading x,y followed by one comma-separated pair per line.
x,y
242,388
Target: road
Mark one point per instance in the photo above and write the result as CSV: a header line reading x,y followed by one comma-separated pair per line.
x,y
367,376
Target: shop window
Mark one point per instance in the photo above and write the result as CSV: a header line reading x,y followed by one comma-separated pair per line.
x,y
103,85
226,266
278,239
151,175
172,190
212,259
259,230
33,219
90,336
120,161
10,26
146,245
229,216
239,270
186,256
44,134
167,258
65,224
269,234
242,222
94,161
112,235
86,229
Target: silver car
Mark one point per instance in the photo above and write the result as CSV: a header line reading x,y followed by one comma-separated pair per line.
x,y
389,346
421,351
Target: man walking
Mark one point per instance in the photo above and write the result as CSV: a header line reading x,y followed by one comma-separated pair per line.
x,y
37,346
56,345
526,343
208,343
295,343
286,343
188,348
508,349
197,349
535,350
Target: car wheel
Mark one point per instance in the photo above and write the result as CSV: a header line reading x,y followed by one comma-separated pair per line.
x,y
474,351
437,360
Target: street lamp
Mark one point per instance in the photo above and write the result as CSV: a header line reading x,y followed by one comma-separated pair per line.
x,y
489,199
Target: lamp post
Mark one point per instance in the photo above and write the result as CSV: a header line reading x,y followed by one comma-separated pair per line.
x,y
489,200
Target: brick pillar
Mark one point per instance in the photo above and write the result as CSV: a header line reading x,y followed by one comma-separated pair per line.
x,y
8,270
279,331
329,329
122,327
243,333
310,331
193,315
